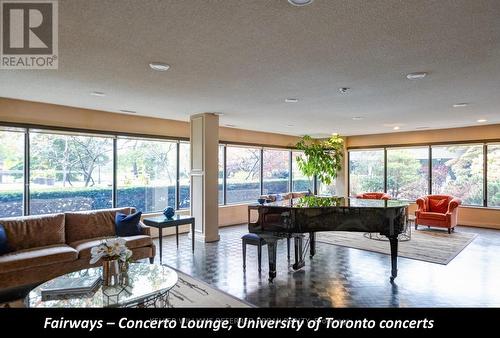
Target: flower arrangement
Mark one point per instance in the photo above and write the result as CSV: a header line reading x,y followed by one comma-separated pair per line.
x,y
111,249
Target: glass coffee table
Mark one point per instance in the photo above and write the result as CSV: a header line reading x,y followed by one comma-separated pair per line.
x,y
144,285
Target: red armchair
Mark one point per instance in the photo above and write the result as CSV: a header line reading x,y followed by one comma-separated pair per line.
x,y
438,211
374,196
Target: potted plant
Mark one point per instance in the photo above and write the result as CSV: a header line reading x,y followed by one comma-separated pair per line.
x,y
322,157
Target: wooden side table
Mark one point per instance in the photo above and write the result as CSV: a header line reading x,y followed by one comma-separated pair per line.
x,y
162,222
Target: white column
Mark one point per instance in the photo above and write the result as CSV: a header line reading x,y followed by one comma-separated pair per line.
x,y
204,175
342,176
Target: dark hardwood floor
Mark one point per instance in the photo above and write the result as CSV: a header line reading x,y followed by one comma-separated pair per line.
x,y
344,277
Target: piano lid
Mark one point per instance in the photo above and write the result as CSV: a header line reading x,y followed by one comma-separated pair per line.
x,y
332,201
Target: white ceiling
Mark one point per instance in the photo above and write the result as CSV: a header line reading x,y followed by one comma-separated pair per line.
x,y
244,57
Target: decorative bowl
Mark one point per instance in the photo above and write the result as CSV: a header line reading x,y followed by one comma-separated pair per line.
x,y
169,212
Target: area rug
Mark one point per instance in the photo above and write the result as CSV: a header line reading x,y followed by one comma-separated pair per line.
x,y
188,292
192,292
434,246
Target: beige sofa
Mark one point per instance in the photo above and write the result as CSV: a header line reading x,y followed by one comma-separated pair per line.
x,y
47,246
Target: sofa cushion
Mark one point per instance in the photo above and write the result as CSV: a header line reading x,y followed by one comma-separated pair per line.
x,y
438,205
30,258
433,215
34,231
84,246
128,225
92,224
4,244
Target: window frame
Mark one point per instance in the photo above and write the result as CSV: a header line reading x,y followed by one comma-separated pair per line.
x,y
467,144
429,167
384,156
177,169
289,166
430,145
33,132
260,149
27,128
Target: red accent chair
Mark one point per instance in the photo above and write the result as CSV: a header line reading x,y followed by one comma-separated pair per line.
x,y
438,211
374,196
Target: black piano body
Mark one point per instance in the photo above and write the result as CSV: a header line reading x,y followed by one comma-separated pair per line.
x,y
293,218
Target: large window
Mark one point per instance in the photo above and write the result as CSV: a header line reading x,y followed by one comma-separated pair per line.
x,y
327,189
366,171
299,181
70,172
243,174
146,174
494,175
276,171
184,175
11,173
407,172
458,171
221,174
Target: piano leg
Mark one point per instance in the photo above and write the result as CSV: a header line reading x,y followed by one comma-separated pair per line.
x,y
394,256
299,262
288,247
271,249
312,244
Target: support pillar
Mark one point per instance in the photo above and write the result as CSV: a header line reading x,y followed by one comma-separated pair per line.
x,y
204,175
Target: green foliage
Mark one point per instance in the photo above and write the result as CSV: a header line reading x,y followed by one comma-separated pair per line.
x,y
317,202
322,158
406,175
366,171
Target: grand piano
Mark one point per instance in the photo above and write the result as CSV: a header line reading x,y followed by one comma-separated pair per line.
x,y
293,218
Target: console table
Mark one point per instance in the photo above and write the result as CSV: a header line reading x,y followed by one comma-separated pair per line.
x,y
162,222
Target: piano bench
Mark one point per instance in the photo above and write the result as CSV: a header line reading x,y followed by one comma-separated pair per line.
x,y
252,239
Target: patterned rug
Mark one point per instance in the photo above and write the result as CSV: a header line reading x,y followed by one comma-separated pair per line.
x,y
192,292
429,245
188,292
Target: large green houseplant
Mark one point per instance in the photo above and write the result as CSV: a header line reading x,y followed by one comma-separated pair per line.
x,y
322,157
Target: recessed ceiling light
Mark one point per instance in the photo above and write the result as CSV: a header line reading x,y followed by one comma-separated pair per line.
x,y
100,94
344,90
396,128
416,76
357,118
460,105
291,100
128,111
300,2
482,120
159,66
230,125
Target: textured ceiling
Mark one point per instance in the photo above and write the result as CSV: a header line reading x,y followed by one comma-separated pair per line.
x,y
243,58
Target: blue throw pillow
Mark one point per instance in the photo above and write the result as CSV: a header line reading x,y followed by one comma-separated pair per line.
x,y
128,225
4,245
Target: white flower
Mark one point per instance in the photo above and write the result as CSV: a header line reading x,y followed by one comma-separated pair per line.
x,y
113,248
125,255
